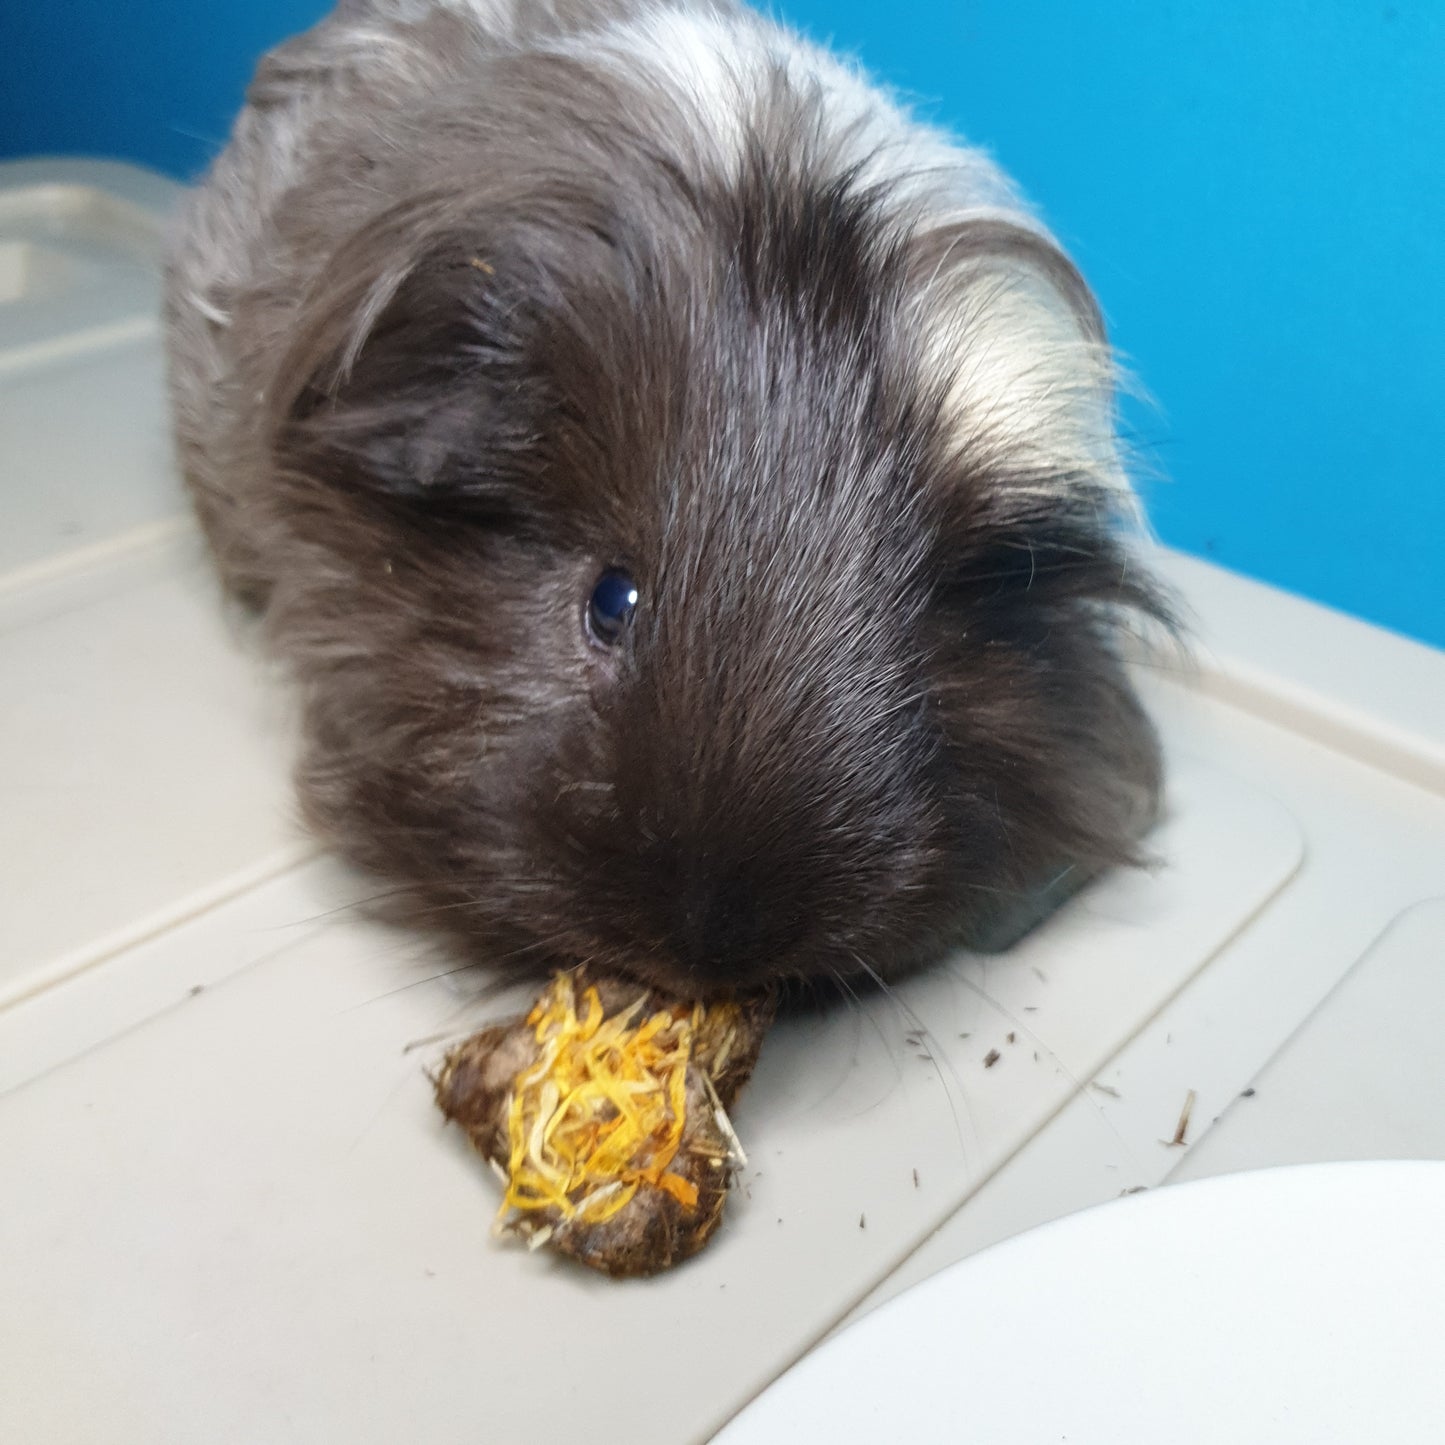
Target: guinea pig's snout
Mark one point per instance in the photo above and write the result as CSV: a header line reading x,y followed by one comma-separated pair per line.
x,y
716,928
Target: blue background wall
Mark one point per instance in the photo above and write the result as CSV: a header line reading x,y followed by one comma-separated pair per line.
x,y
1255,187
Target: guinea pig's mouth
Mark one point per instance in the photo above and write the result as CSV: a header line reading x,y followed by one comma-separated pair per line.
x,y
691,983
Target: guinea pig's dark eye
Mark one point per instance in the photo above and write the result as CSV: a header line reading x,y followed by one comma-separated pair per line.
x,y
610,609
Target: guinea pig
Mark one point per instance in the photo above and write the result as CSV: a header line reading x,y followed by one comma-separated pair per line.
x,y
684,489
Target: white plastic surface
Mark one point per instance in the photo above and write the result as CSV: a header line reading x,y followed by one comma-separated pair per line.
x,y
142,757
78,475
84,445
1288,1307
1362,1077
230,1210
265,1150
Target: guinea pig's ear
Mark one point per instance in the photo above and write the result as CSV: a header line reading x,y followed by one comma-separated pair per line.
x,y
408,378
1012,336
1033,499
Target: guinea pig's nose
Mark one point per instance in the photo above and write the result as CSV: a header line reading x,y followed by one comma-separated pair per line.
x,y
715,930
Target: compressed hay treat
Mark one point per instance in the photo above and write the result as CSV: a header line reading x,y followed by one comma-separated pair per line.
x,y
604,1111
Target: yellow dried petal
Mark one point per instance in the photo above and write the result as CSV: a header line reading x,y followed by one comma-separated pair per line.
x,y
682,1190
603,1109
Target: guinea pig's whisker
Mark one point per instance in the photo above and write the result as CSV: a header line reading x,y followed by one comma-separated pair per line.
x,y
492,963
1051,569
853,997
990,888
354,905
410,984
933,1051
578,786
445,1036
858,1013
1080,1086
461,1007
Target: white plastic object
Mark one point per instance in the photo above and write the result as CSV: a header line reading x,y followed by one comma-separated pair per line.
x,y
1287,1307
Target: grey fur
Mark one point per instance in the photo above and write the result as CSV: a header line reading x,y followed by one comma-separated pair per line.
x,y
484,298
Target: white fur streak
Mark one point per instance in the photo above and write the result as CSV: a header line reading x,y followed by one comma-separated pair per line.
x,y
1024,382
1023,379
720,66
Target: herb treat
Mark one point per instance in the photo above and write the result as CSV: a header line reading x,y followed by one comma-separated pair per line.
x,y
604,1111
